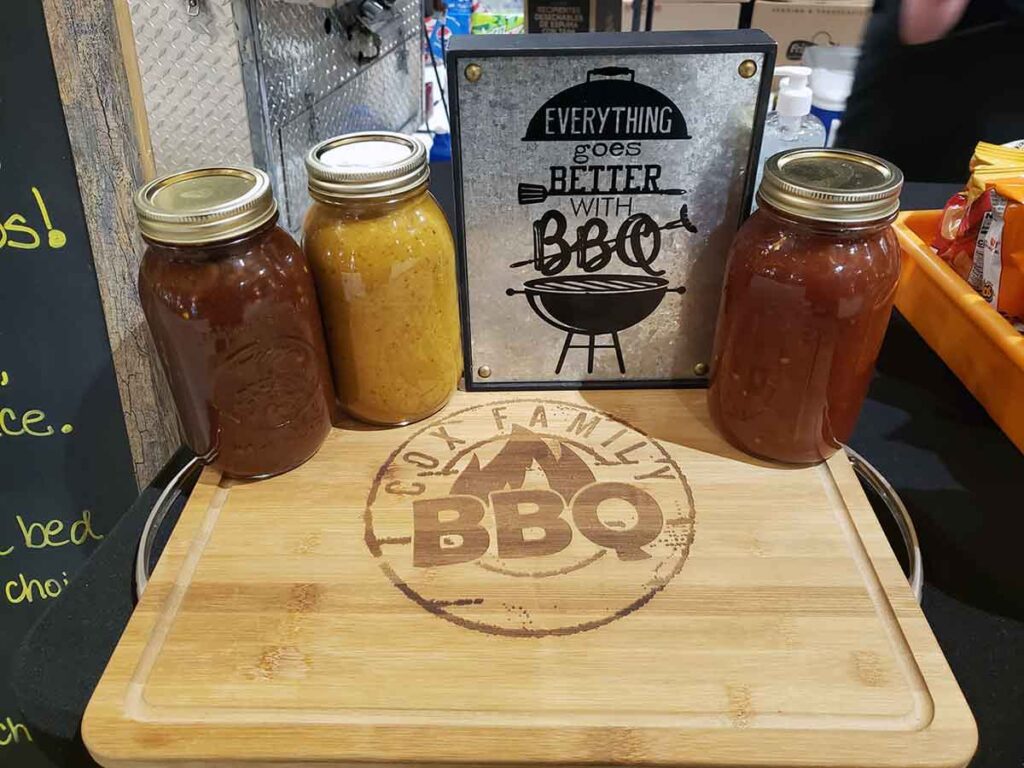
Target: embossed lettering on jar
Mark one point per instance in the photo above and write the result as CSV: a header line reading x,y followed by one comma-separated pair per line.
x,y
809,289
233,310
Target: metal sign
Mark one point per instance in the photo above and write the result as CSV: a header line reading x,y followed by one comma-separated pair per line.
x,y
598,185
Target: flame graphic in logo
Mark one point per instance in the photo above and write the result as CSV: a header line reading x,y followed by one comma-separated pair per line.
x,y
565,471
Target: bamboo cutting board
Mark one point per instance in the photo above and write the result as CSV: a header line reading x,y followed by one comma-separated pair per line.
x,y
558,578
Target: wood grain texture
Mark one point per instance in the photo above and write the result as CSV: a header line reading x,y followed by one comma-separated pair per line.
x,y
136,94
94,89
731,613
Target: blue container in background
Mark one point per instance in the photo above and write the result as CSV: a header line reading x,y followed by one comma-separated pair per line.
x,y
460,16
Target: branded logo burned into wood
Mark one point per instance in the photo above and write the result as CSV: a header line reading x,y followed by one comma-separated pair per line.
x,y
609,119
530,518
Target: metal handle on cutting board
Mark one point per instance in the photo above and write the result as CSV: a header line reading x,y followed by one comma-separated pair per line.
x,y
894,503
156,516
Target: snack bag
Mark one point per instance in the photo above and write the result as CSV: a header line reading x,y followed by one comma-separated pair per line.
x,y
958,231
986,154
998,269
981,234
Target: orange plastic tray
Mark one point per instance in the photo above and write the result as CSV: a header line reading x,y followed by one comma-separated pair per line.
x,y
976,342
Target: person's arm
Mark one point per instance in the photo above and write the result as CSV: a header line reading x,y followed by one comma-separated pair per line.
x,y
923,21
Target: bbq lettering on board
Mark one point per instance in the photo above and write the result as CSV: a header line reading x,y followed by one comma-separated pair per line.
x,y
545,489
603,242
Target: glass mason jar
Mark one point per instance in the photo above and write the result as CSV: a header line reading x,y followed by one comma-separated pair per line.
x,y
809,287
231,304
384,262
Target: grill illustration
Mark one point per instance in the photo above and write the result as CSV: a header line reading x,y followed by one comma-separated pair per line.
x,y
594,305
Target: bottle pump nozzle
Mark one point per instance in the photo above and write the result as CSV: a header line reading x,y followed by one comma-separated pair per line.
x,y
794,94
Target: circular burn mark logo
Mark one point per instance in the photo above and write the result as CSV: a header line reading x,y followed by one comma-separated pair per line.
x,y
529,518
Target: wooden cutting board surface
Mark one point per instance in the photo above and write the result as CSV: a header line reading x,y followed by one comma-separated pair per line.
x,y
559,578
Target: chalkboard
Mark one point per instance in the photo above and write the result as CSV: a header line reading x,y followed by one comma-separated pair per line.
x,y
65,462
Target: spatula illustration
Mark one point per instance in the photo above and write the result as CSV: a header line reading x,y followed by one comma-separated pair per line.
x,y
535,193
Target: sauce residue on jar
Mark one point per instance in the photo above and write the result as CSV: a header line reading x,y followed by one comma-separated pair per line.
x,y
237,326
805,307
384,262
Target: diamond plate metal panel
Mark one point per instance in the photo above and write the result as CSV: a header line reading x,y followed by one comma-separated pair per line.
x,y
192,80
378,97
302,62
259,81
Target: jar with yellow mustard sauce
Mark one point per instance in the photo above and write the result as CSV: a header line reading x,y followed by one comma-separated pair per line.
x,y
383,260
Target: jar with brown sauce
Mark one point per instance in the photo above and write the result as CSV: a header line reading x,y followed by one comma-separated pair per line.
x,y
384,262
809,288
231,304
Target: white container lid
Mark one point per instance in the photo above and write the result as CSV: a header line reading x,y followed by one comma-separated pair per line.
x,y
794,94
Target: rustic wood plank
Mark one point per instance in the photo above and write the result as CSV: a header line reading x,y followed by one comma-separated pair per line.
x,y
95,92
732,613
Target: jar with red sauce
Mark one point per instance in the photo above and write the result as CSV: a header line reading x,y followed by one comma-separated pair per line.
x,y
230,301
809,288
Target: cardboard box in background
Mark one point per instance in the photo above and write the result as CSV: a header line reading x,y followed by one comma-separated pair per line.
x,y
796,25
573,15
682,14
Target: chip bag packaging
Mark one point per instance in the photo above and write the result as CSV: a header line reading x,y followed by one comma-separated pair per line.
x,y
981,234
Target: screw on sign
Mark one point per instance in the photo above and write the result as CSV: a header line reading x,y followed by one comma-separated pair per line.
x,y
501,518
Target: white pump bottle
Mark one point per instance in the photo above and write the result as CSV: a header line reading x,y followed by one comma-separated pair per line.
x,y
790,125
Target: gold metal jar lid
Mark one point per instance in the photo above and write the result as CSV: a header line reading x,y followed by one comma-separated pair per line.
x,y
832,185
374,164
205,205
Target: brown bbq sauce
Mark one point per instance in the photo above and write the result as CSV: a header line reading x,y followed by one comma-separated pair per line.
x,y
802,320
238,328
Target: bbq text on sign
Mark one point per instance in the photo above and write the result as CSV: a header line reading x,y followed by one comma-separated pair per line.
x,y
609,120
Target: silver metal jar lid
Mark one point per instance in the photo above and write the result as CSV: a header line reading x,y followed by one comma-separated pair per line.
x,y
374,164
832,185
205,205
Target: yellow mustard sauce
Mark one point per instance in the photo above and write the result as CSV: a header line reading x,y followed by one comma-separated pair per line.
x,y
385,276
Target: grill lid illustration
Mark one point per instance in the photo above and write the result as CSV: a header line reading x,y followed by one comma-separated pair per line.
x,y
606,109
594,305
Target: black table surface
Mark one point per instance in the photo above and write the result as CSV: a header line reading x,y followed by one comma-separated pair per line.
x,y
962,481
